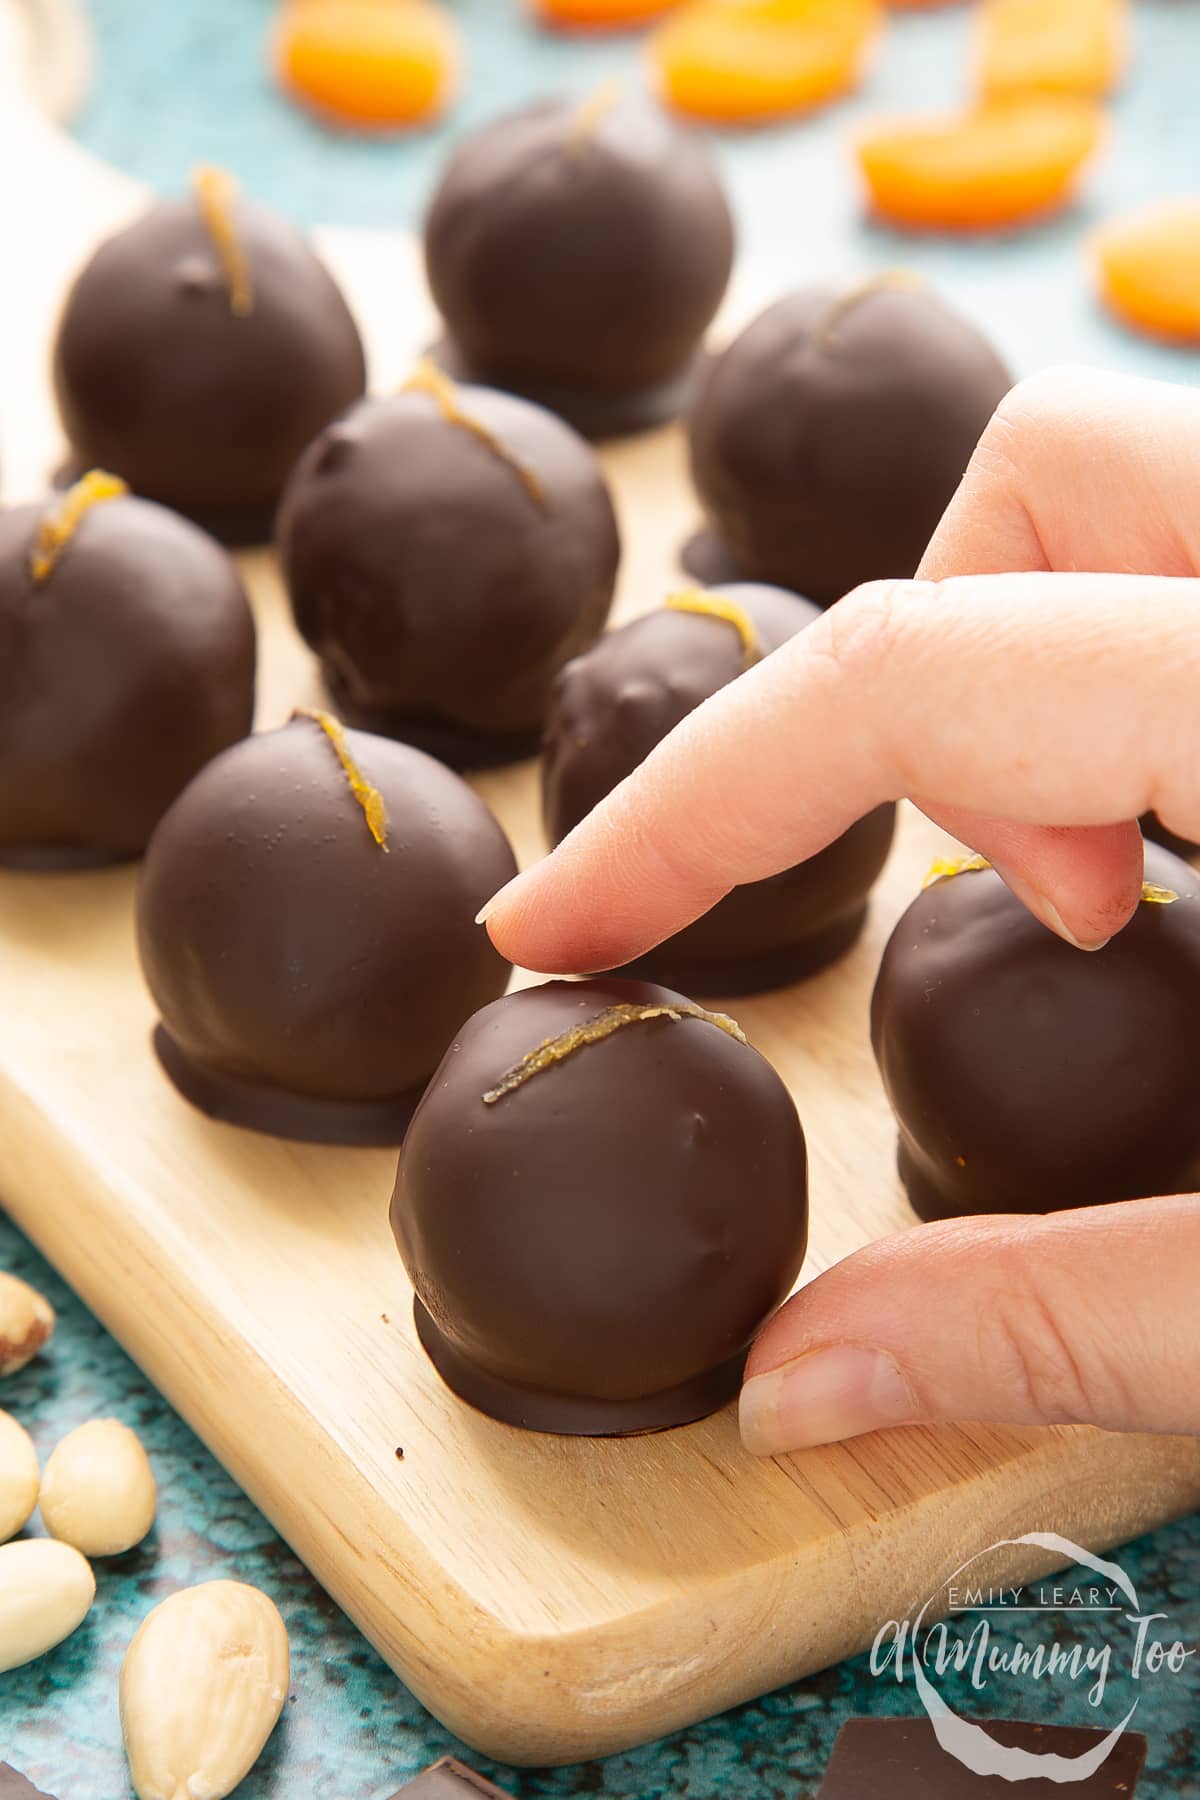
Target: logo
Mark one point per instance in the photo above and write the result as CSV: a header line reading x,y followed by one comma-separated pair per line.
x,y
967,1644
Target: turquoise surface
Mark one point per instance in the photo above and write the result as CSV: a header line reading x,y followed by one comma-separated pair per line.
x,y
184,80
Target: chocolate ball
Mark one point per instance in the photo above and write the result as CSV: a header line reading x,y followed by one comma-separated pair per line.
x,y
126,661
199,351
1026,1076
601,1197
612,705
830,436
1153,828
577,253
306,927
446,551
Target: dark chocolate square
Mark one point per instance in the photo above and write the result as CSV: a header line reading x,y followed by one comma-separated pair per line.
x,y
901,1759
15,1786
446,1780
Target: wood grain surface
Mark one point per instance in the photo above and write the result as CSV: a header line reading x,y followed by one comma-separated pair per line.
x,y
548,1599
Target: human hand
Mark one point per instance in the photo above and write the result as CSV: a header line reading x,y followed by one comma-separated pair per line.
x,y
1004,688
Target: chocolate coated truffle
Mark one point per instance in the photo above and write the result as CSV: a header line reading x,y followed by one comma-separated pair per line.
x,y
1153,828
601,1197
577,253
199,351
305,922
609,709
126,662
829,437
446,551
1026,1076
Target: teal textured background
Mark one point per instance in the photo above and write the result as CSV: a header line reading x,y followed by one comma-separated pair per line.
x,y
186,80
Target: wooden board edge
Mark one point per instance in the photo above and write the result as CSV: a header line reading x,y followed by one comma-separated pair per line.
x,y
543,1699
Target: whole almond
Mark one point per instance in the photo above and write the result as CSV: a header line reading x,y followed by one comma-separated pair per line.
x,y
45,1592
98,1489
202,1685
18,1476
26,1322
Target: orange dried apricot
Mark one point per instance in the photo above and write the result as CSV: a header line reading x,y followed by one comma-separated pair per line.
x,y
375,64
600,15
1051,46
734,60
998,165
1148,265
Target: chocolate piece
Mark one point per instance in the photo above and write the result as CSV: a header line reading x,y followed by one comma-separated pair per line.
x,y
1026,1076
577,253
446,551
600,1198
449,1779
305,922
198,353
901,1759
830,436
126,662
608,710
1153,828
15,1786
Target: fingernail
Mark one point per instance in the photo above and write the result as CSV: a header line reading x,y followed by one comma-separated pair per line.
x,y
1046,911
822,1398
489,906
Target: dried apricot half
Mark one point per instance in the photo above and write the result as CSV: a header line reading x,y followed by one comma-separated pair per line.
x,y
999,165
1051,46
375,64
1148,265
730,61
600,15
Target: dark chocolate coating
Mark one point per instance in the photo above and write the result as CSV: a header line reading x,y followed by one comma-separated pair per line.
x,y
440,594
611,706
161,382
1027,1076
121,674
830,436
901,1759
1158,833
308,980
581,264
593,1252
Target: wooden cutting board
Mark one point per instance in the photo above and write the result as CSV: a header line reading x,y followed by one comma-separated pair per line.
x,y
548,1599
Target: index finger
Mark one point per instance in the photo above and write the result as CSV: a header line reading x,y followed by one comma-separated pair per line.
x,y
1064,699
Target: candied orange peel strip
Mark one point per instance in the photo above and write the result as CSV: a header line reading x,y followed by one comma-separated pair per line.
x,y
1155,895
427,378
62,519
884,281
216,193
593,1031
945,868
369,797
997,165
718,606
594,111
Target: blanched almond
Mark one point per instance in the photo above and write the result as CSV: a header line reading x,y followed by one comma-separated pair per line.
x,y
98,1489
45,1592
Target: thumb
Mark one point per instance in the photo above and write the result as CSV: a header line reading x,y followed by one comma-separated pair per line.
x,y
1082,1317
